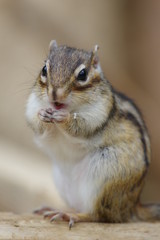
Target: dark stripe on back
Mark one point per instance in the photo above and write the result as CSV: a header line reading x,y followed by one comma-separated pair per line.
x,y
131,101
129,116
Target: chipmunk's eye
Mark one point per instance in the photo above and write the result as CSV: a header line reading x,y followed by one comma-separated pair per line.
x,y
44,75
82,75
44,71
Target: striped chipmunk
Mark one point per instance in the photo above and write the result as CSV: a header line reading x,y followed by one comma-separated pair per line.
x,y
95,136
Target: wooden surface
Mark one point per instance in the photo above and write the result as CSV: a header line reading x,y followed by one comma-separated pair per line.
x,y
29,227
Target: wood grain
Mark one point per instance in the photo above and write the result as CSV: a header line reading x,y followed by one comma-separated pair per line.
x,y
32,227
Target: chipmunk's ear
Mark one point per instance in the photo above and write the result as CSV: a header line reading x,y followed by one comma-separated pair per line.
x,y
95,59
52,45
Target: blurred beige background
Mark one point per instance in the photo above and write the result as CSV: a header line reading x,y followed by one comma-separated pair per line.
x,y
128,33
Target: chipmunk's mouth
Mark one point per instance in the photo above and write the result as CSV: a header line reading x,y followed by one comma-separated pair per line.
x,y
59,106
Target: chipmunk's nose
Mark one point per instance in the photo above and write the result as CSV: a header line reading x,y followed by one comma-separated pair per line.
x,y
58,98
58,94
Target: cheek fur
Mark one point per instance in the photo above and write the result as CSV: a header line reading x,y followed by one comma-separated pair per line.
x,y
35,103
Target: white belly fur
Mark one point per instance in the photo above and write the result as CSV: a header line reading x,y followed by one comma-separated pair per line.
x,y
71,168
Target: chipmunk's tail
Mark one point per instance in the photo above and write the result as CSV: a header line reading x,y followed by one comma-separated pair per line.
x,y
148,212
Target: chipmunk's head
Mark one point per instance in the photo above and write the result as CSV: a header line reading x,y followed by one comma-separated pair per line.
x,y
70,77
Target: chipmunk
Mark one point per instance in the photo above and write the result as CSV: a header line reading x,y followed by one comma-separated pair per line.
x,y
95,136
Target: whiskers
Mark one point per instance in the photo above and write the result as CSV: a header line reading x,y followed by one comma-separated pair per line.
x,y
23,87
26,85
78,99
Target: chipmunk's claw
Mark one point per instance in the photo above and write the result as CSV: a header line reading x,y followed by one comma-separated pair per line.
x,y
71,223
56,215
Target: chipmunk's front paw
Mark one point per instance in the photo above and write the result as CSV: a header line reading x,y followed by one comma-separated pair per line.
x,y
45,115
60,115
51,115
